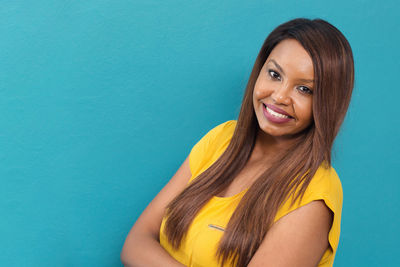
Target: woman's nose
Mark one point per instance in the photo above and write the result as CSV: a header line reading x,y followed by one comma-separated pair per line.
x,y
281,95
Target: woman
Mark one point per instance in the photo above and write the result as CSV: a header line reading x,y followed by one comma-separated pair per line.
x,y
261,191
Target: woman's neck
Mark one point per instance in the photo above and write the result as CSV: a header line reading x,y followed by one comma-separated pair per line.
x,y
270,146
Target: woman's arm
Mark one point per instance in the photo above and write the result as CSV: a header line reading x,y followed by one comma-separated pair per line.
x,y
299,238
142,247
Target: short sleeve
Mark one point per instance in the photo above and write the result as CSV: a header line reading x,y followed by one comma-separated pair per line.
x,y
203,151
326,186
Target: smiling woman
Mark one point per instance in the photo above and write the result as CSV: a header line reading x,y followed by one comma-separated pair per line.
x,y
261,190
282,101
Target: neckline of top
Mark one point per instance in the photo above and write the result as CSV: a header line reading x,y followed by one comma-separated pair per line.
x,y
231,197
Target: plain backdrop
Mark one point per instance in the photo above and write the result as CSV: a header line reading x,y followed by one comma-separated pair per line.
x,y
101,101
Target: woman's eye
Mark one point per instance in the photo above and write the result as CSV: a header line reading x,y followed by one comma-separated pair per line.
x,y
305,89
274,75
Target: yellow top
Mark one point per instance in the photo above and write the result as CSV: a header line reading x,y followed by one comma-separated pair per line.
x,y
199,246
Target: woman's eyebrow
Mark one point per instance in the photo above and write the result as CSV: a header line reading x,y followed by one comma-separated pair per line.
x,y
306,81
277,66
281,70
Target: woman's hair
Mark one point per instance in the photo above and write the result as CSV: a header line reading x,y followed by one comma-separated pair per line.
x,y
333,84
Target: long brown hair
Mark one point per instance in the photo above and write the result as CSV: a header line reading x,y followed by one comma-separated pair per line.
x,y
333,84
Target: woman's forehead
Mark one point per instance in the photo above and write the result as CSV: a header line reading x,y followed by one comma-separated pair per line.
x,y
291,58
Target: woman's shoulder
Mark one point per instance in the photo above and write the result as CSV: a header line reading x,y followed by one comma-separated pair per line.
x,y
210,146
326,182
224,129
324,185
218,134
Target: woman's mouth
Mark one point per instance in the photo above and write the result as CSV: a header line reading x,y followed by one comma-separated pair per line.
x,y
274,116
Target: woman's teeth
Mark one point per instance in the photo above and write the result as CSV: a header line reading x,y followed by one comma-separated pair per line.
x,y
276,114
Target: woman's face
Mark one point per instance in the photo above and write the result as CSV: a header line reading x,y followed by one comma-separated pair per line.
x,y
282,95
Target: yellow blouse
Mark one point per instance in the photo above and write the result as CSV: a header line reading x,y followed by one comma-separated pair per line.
x,y
199,246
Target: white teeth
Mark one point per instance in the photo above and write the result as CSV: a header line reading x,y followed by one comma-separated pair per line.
x,y
276,114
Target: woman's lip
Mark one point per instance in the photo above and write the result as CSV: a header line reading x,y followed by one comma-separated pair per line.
x,y
276,109
273,118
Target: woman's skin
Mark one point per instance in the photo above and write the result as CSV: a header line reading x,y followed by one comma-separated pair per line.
x,y
297,239
286,82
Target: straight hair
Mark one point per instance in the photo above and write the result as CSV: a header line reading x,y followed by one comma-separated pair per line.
x,y
333,64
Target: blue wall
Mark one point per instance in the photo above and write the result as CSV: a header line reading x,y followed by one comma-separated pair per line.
x,y
101,101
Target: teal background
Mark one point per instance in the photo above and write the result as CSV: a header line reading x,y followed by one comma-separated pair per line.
x,y
101,101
